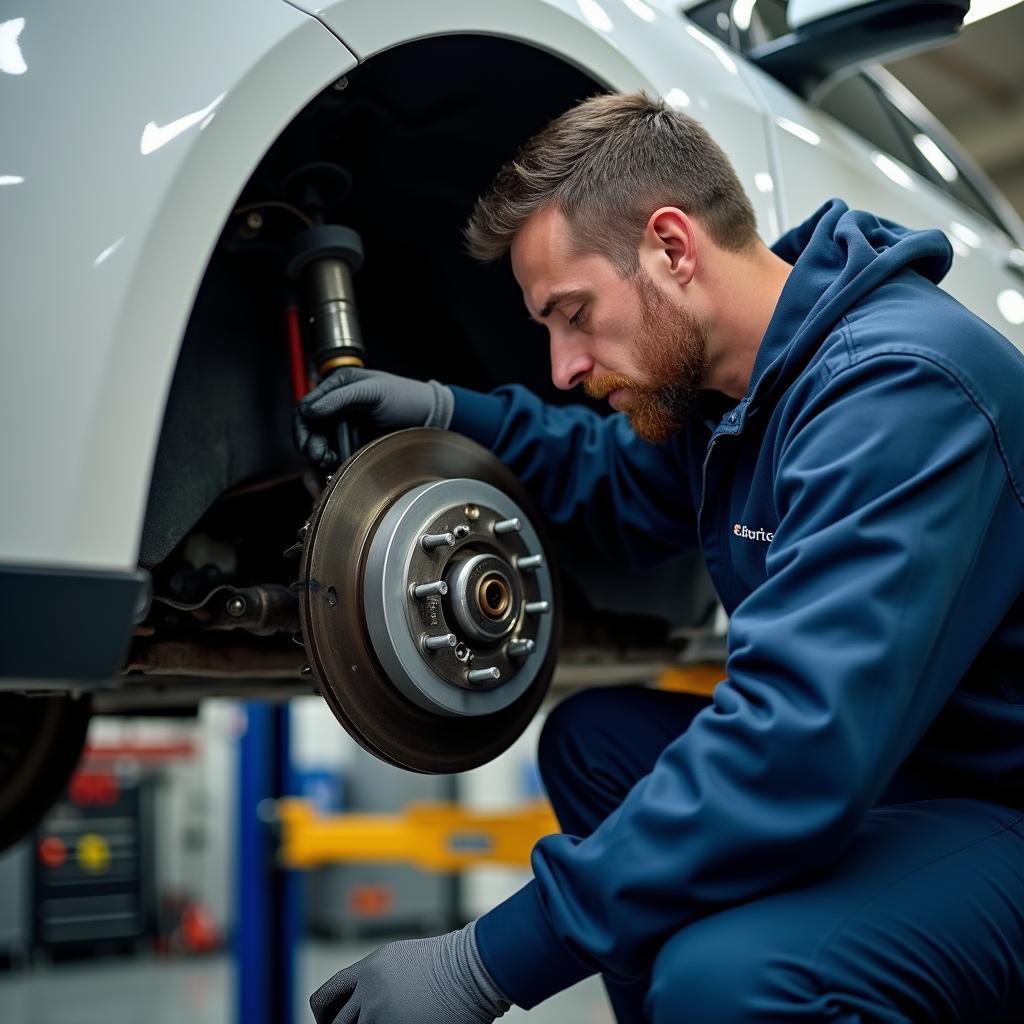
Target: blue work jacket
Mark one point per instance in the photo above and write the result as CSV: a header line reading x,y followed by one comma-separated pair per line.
x,y
861,512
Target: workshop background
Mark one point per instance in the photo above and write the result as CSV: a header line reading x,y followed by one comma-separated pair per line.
x,y
128,901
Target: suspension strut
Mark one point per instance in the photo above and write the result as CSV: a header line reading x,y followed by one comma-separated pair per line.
x,y
323,259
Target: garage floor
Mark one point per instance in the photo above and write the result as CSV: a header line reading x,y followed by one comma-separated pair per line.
x,y
199,991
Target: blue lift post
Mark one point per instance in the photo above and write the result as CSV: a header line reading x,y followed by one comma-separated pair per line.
x,y
267,898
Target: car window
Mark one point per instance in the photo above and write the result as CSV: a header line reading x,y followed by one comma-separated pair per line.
x,y
941,167
861,104
714,18
856,102
743,24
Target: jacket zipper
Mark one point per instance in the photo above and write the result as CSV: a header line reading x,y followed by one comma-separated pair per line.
x,y
704,481
707,457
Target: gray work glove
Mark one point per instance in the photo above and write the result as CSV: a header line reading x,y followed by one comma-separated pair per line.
x,y
379,400
440,980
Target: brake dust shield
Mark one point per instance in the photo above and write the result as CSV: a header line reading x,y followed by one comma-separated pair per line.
x,y
429,609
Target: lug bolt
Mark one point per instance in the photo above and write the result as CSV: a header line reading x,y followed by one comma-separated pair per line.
x,y
429,589
254,221
460,531
520,648
530,562
463,653
429,541
236,606
440,642
512,525
472,513
484,675
536,607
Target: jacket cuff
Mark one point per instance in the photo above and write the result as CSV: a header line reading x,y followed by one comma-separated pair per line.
x,y
441,407
522,953
477,415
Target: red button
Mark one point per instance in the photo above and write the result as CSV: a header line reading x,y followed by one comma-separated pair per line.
x,y
52,852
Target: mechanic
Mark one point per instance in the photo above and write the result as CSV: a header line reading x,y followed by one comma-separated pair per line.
x,y
838,834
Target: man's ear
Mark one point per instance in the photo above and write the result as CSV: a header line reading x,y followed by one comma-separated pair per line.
x,y
671,241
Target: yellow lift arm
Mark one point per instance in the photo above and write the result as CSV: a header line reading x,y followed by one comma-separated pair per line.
x,y
435,837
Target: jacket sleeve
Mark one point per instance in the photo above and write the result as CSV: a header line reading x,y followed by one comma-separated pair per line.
x,y
587,471
890,486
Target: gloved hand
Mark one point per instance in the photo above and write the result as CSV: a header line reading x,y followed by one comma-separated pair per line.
x,y
382,401
440,980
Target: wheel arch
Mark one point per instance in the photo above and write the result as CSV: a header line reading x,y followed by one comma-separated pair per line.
x,y
136,210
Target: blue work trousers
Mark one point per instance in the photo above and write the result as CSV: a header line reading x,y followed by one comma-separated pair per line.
x,y
921,920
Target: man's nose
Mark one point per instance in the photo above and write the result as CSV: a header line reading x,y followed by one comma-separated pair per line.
x,y
570,364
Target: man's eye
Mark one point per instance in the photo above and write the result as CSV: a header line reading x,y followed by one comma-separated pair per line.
x,y
577,318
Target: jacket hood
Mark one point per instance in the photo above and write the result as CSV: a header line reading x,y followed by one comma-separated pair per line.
x,y
838,256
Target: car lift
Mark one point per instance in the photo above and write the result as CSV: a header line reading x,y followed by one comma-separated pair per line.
x,y
278,835
430,836
267,916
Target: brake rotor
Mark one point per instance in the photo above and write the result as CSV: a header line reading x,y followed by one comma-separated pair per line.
x,y
429,609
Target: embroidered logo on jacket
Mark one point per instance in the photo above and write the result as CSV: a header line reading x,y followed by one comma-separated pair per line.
x,y
746,533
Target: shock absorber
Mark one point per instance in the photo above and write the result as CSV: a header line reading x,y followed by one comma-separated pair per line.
x,y
323,259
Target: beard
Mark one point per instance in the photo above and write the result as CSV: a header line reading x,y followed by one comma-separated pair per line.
x,y
672,347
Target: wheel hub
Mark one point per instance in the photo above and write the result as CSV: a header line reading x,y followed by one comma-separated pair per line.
x,y
471,589
429,609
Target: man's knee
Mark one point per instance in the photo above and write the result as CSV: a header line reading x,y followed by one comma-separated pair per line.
x,y
587,755
596,744
624,726
570,734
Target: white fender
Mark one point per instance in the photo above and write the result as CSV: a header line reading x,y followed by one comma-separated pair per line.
x,y
128,131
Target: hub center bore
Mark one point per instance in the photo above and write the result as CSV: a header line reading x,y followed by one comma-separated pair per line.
x,y
493,595
485,597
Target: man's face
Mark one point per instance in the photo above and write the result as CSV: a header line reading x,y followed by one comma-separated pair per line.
x,y
625,339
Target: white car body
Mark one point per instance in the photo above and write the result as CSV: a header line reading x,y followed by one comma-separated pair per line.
x,y
129,134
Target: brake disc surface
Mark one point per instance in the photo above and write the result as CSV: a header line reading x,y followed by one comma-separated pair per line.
x,y
429,610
